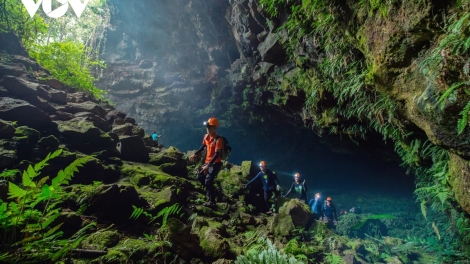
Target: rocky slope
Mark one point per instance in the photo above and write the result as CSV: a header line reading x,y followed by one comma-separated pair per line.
x,y
39,115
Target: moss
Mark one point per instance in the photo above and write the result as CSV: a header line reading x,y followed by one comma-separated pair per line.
x,y
135,249
212,244
159,199
101,240
147,174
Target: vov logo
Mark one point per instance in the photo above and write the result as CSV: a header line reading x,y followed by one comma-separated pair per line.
x,y
77,6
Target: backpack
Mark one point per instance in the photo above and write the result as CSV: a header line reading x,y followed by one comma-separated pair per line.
x,y
226,148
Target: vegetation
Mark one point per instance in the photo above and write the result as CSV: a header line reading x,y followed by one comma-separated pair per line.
x,y
29,219
65,46
345,73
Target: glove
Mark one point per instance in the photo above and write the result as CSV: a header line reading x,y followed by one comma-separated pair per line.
x,y
278,188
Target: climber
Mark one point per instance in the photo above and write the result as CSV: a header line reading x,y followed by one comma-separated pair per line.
x,y
213,161
329,213
155,136
316,205
300,189
270,185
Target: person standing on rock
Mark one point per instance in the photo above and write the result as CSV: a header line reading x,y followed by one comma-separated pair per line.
x,y
213,161
155,136
316,206
299,187
270,184
329,213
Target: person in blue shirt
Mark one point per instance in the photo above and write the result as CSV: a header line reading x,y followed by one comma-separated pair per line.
x,y
270,184
155,136
299,187
329,213
316,206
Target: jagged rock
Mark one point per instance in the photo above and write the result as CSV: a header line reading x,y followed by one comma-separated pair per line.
x,y
28,63
86,106
53,95
14,70
62,116
181,239
271,49
169,155
19,87
83,134
8,151
128,129
114,203
21,112
55,84
132,148
10,43
97,121
198,223
262,70
213,244
45,146
293,213
6,129
114,114
160,199
101,240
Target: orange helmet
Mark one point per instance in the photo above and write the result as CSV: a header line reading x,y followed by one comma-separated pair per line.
x,y
212,122
329,198
262,163
297,174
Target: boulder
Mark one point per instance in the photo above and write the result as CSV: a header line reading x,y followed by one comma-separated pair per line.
x,y
14,70
114,203
11,44
45,145
22,112
82,134
96,120
19,87
62,116
293,213
87,106
6,129
181,239
213,244
128,129
53,95
112,115
271,49
133,149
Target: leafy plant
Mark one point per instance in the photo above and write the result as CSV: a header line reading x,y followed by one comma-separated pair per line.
x,y
32,209
175,209
268,255
333,258
371,217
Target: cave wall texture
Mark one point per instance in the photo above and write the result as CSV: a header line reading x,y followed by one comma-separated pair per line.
x,y
173,62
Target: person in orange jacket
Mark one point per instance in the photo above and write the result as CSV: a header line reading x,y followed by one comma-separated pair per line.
x,y
213,161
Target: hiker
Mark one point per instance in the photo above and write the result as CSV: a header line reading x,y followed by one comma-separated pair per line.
x,y
155,136
316,205
270,185
213,161
300,189
329,213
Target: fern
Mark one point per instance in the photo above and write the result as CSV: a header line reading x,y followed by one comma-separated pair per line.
x,y
423,209
269,255
434,227
175,209
463,121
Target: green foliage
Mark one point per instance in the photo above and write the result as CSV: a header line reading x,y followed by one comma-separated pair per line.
x,y
175,209
371,217
333,258
452,50
32,209
67,62
300,251
268,255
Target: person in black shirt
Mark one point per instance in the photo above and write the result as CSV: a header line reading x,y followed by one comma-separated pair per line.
x,y
299,188
270,183
329,213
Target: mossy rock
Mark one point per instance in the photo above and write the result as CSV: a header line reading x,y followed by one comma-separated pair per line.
x,y
101,240
7,130
133,249
181,239
169,155
159,199
141,174
231,183
213,244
